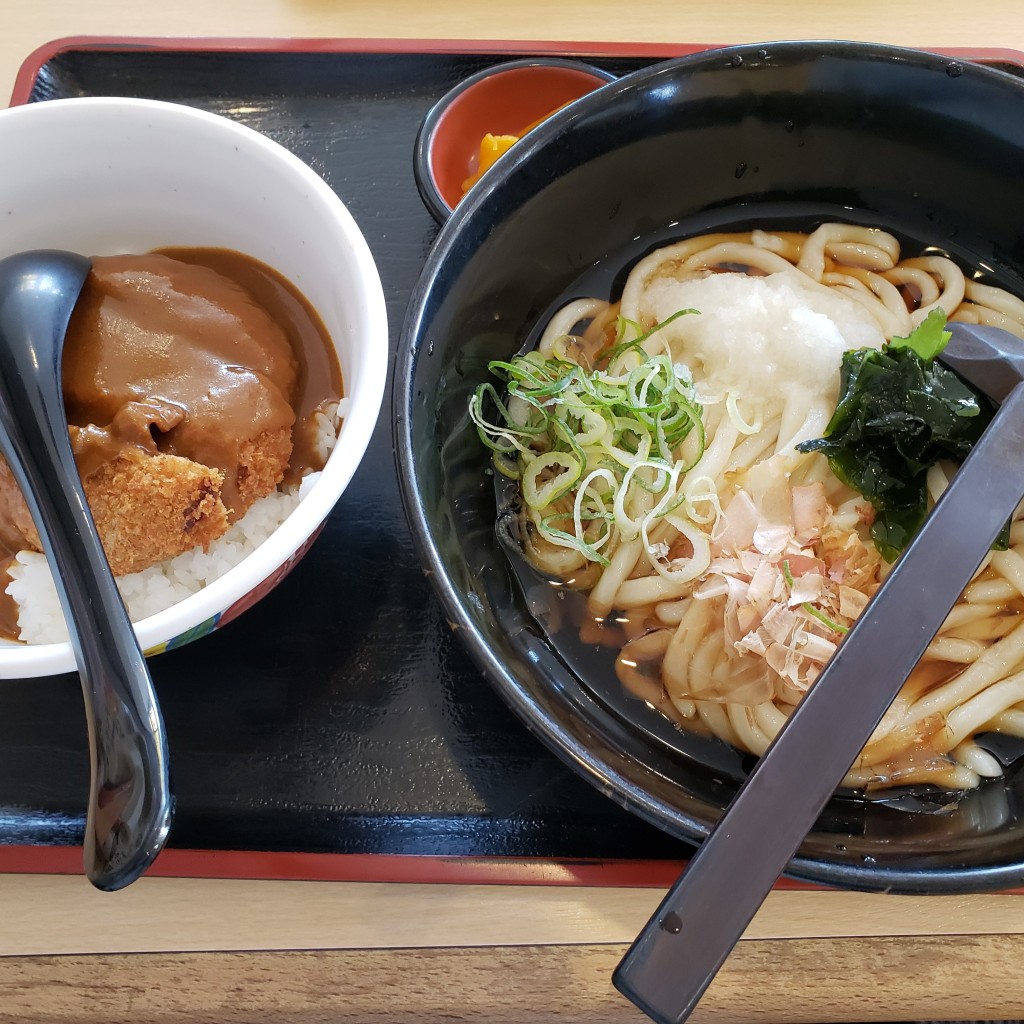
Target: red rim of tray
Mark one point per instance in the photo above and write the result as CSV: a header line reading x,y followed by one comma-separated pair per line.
x,y
273,865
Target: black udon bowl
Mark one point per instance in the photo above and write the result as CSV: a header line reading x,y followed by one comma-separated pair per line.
x,y
785,133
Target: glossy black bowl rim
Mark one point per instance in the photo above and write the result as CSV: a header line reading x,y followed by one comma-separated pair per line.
x,y
605,776
422,171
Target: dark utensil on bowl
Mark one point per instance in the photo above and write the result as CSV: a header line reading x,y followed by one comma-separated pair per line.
x,y
130,803
681,948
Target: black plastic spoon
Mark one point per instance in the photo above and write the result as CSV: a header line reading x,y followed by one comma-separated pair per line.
x,y
130,804
681,948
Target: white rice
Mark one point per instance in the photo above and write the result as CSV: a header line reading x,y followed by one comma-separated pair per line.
x,y
41,621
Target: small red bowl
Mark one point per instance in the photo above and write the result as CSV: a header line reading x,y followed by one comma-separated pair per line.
x,y
504,99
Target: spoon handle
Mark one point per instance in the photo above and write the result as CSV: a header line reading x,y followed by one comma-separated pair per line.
x,y
681,948
130,802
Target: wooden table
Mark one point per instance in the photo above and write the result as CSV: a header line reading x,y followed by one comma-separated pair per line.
x,y
191,950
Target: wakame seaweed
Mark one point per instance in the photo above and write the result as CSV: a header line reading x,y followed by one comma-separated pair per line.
x,y
899,412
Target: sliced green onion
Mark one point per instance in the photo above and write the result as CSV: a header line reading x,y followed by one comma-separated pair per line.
x,y
732,408
808,607
609,355
568,540
616,440
696,564
823,618
549,477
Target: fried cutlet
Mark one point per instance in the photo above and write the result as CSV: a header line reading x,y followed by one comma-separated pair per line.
x,y
148,508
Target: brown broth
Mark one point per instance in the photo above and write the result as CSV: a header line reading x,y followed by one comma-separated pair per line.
x,y
587,646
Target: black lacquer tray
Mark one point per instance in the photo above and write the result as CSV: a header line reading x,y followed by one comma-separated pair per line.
x,y
340,715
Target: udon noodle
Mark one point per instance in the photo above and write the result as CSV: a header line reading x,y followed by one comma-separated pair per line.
x,y
737,575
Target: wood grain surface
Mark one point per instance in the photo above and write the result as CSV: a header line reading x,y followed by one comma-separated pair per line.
x,y
62,914
172,950
802,980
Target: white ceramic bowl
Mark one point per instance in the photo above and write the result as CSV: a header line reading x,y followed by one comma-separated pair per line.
x,y
101,176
